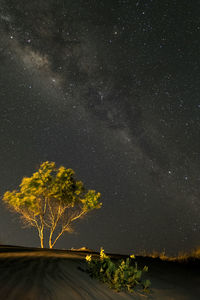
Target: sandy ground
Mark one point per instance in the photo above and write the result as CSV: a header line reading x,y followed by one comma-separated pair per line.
x,y
35,274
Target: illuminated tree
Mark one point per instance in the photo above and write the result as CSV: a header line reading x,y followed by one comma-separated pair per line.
x,y
51,200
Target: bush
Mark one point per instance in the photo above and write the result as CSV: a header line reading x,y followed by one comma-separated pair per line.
x,y
122,275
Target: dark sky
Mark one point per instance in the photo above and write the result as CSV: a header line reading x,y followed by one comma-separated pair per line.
x,y
111,90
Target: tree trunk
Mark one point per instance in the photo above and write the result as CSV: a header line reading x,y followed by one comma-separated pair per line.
x,y
50,237
41,238
42,241
50,240
58,236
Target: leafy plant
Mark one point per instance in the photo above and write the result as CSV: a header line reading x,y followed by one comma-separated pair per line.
x,y
50,200
122,275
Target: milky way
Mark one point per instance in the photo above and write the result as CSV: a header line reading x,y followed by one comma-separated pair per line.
x,y
111,89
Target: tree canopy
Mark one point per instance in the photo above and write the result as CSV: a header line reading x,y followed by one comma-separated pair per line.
x,y
50,200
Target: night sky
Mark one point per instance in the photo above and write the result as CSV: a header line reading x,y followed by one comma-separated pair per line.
x,y
110,89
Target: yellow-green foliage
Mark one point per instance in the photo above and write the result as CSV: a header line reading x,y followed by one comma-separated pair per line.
x,y
57,184
122,275
52,195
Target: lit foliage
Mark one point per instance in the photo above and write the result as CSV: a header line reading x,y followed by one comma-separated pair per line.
x,y
120,276
52,199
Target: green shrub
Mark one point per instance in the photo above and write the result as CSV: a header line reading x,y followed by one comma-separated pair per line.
x,y
122,275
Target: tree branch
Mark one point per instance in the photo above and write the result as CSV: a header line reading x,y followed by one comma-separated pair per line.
x,y
59,235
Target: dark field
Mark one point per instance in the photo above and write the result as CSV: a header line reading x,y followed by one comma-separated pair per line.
x,y
31,273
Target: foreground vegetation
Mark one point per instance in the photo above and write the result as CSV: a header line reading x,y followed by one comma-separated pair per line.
x,y
120,276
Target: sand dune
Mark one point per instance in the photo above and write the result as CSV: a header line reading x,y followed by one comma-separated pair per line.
x,y
27,273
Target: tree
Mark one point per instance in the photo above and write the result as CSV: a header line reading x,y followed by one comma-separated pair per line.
x,y
51,200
